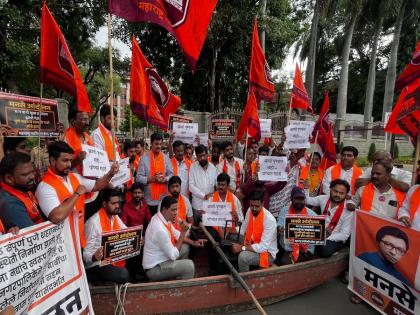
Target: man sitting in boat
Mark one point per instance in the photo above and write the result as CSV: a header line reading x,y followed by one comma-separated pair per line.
x,y
165,254
338,218
105,220
260,243
294,253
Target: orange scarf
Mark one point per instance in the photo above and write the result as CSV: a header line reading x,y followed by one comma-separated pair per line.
x,y
182,212
157,166
168,227
304,175
106,227
137,162
254,233
73,140
174,162
414,202
366,199
128,194
109,148
63,193
29,200
336,174
229,199
237,172
297,247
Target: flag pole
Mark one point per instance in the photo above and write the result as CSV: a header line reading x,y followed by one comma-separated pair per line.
x,y
131,124
290,110
41,90
111,83
416,158
246,146
312,152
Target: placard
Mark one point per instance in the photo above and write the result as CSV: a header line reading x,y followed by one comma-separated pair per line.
x,y
272,168
304,229
281,199
217,213
42,272
185,132
124,173
204,139
21,115
120,245
265,125
222,129
178,118
385,264
297,135
96,163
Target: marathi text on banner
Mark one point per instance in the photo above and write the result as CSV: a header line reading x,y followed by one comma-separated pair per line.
x,y
222,129
96,163
300,229
265,125
178,118
384,264
185,132
42,272
217,214
124,173
204,139
272,168
298,134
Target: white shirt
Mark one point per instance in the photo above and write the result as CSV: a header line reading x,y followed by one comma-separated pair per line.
x,y
231,171
158,247
183,173
345,175
202,182
93,236
47,195
396,173
238,207
269,236
405,209
342,230
99,141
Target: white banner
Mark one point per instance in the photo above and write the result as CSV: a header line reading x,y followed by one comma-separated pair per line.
x,y
217,213
124,173
204,139
281,199
185,132
42,272
297,135
272,168
96,163
265,125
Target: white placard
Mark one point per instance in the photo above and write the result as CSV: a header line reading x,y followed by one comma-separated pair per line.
x,y
96,163
281,199
297,135
308,123
272,168
265,125
204,139
216,213
185,132
123,174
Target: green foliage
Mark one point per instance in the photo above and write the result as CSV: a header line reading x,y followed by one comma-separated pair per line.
x,y
137,122
372,150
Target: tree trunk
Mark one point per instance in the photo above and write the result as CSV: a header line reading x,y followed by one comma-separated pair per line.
x,y
370,87
310,70
344,73
391,73
212,80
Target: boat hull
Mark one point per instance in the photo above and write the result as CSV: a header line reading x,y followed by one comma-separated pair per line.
x,y
219,294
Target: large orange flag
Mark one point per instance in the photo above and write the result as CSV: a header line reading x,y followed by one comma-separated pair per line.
x,y
300,98
411,72
187,20
57,65
150,98
260,81
250,122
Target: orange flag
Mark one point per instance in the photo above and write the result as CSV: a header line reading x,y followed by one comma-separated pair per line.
x,y
57,65
300,98
260,81
411,72
250,122
150,98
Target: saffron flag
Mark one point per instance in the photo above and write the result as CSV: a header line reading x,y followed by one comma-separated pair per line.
x,y
411,72
260,81
329,156
150,98
57,65
300,98
186,20
250,122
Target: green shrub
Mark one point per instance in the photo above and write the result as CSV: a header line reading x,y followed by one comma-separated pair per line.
x,y
372,150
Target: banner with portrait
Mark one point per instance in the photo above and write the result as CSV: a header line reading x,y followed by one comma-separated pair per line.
x,y
384,264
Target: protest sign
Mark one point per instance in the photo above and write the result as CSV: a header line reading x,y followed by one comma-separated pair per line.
x,y
309,124
42,272
185,132
21,115
384,264
96,163
281,199
178,118
297,135
204,139
120,245
301,229
272,168
124,173
265,125
217,213
222,129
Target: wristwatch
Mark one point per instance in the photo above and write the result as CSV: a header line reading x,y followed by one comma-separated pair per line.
x,y
243,248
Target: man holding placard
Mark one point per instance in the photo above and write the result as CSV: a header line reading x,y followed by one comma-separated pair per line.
x,y
232,166
105,220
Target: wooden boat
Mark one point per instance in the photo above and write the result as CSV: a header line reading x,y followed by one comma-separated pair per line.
x,y
221,294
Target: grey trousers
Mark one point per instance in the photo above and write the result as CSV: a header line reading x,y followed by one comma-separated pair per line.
x,y
247,258
182,268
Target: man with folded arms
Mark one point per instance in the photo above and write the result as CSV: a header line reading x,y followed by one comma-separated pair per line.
x,y
232,166
165,254
105,220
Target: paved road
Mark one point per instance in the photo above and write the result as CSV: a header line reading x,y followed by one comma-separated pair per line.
x,y
331,298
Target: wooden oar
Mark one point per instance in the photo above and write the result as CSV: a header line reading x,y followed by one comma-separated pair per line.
x,y
232,269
